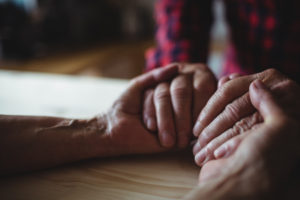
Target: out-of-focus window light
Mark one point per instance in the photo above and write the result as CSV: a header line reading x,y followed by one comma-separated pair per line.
x,y
27,5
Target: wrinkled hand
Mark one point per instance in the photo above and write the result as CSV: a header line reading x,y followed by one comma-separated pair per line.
x,y
262,162
125,128
172,108
229,112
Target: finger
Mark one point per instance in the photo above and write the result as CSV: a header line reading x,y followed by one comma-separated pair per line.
x,y
230,91
133,95
187,68
204,84
223,80
227,149
234,75
164,115
181,95
149,115
204,155
211,170
227,78
264,101
239,128
232,113
222,97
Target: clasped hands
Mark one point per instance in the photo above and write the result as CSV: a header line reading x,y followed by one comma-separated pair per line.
x,y
239,126
246,130
159,115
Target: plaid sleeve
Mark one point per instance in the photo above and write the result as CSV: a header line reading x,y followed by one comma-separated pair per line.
x,y
264,34
182,32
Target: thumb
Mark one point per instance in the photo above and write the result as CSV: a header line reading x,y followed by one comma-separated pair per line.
x,y
264,101
212,169
131,98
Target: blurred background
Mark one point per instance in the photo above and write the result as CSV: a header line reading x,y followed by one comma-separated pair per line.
x,y
104,38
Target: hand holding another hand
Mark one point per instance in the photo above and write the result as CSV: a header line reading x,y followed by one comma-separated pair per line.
x,y
230,112
171,108
262,162
125,127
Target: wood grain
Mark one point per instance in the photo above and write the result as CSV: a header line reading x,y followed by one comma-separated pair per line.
x,y
162,176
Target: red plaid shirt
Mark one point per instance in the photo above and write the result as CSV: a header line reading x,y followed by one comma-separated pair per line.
x,y
264,34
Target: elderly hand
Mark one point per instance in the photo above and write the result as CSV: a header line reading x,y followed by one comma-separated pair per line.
x,y
50,141
262,162
125,128
229,112
171,108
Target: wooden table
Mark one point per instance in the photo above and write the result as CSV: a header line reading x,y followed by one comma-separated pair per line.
x,y
160,176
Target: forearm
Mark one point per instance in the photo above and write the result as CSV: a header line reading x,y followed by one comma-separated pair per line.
x,y
29,143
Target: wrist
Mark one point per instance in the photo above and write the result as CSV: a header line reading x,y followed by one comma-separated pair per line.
x,y
100,141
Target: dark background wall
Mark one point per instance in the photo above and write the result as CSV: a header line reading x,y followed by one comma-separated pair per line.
x,y
55,25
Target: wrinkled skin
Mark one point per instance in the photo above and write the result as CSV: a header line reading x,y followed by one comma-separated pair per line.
x,y
229,113
171,108
124,123
261,163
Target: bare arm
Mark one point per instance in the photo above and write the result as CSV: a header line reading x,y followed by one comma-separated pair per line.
x,y
29,143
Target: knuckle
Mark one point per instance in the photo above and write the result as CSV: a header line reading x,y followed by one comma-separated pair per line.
x,y
273,76
162,95
209,149
232,112
180,92
181,87
225,92
272,71
257,117
204,138
243,125
162,92
149,92
253,119
235,130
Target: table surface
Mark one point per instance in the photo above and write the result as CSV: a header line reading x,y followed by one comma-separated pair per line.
x,y
159,176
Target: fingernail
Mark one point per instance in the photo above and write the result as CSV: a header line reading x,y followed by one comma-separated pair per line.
x,y
196,148
233,76
258,84
220,152
197,129
222,81
151,124
167,140
200,157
